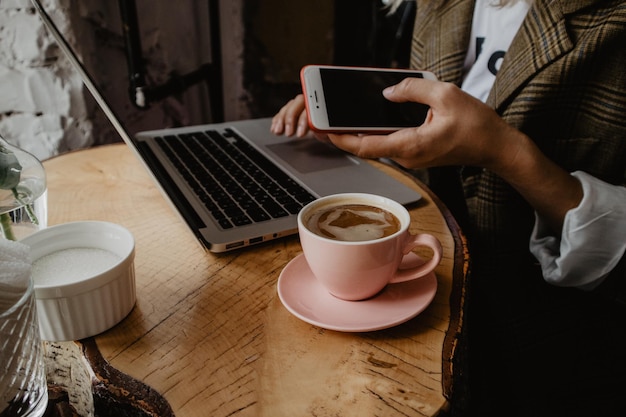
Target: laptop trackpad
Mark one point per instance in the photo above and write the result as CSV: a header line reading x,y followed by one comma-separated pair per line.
x,y
310,155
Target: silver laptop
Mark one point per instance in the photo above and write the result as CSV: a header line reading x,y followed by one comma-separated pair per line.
x,y
235,184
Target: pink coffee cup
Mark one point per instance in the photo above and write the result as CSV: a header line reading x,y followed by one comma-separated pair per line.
x,y
357,270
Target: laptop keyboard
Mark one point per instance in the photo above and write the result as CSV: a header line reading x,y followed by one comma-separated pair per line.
x,y
238,185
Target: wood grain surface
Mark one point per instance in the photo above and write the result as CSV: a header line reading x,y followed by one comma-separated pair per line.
x,y
210,334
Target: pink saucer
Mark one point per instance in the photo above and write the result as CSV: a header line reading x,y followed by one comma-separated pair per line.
x,y
306,299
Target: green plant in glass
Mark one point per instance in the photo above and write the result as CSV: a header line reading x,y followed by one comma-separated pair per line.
x,y
10,176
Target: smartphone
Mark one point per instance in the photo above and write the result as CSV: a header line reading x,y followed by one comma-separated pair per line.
x,y
350,99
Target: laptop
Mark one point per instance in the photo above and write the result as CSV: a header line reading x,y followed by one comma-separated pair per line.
x,y
235,184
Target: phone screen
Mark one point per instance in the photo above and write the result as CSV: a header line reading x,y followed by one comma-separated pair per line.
x,y
354,98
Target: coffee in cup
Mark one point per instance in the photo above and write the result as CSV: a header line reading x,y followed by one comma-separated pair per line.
x,y
354,244
353,222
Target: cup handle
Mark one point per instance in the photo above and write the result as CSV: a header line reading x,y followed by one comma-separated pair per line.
x,y
419,271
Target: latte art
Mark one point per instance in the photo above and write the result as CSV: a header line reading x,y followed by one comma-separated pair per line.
x,y
353,222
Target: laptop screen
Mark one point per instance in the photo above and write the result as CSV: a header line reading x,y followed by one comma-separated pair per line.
x,y
102,52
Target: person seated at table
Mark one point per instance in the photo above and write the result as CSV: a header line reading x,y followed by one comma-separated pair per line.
x,y
528,116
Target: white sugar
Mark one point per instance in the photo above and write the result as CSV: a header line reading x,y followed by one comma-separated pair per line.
x,y
72,265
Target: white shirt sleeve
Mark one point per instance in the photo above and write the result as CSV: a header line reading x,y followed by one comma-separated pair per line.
x,y
593,239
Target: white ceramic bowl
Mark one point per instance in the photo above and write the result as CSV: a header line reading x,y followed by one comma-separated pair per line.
x,y
80,289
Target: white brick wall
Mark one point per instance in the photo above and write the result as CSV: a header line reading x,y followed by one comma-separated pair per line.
x,y
41,104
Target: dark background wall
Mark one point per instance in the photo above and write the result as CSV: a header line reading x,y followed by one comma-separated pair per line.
x,y
282,36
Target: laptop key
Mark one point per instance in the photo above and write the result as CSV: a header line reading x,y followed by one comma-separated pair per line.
x,y
293,208
258,215
275,210
241,220
225,223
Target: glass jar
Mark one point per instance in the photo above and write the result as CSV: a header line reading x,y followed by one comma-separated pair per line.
x,y
23,193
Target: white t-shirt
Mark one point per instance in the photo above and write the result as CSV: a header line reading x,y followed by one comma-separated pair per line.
x,y
593,239
493,30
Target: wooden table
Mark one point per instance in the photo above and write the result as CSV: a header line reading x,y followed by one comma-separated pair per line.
x,y
210,335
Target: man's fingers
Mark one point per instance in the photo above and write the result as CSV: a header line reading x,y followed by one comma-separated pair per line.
x,y
414,89
303,125
289,118
376,146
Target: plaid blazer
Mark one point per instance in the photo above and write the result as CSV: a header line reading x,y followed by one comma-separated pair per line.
x,y
562,82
